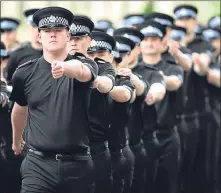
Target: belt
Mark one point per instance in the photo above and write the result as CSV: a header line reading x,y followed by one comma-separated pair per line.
x,y
136,146
60,156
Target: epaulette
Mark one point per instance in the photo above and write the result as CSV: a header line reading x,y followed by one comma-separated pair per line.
x,y
27,63
100,61
121,76
79,55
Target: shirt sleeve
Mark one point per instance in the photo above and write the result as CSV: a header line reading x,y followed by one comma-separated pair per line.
x,y
11,67
125,81
107,70
156,77
176,71
18,92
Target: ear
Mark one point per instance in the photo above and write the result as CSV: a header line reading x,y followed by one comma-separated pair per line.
x,y
68,36
39,37
111,58
88,40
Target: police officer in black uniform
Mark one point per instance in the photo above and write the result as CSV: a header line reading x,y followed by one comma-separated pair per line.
x,y
167,139
213,77
26,51
132,20
52,94
9,28
10,164
197,112
100,50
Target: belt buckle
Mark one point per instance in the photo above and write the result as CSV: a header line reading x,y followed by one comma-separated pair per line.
x,y
58,157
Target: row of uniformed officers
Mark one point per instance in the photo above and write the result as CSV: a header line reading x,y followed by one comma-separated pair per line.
x,y
103,110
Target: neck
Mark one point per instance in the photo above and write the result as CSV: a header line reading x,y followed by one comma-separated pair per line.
x,y
164,48
36,45
59,56
151,58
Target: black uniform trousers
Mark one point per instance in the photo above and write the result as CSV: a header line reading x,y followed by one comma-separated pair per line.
x,y
188,130
102,162
206,157
165,165
46,174
139,176
122,170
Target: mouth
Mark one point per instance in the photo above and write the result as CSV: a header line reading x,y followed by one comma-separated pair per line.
x,y
53,41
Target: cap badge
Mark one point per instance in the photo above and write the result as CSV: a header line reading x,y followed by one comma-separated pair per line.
x,y
52,19
73,27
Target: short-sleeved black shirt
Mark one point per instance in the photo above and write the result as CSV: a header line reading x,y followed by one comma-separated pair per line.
x,y
143,118
57,108
18,57
196,85
98,105
118,116
166,109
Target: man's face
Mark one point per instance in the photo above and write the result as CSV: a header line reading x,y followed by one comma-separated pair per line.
x,y
188,23
216,44
54,39
125,60
12,36
34,32
105,55
79,44
134,55
151,45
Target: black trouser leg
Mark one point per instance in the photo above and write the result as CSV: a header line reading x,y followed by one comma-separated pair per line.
x,y
139,177
168,164
150,174
188,130
102,162
122,170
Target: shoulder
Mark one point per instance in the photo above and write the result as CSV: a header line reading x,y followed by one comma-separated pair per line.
x,y
27,64
22,47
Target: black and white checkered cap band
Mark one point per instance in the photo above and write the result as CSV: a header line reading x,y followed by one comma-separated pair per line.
x,y
185,13
135,39
103,44
210,34
150,30
53,20
123,47
79,28
115,54
215,22
163,21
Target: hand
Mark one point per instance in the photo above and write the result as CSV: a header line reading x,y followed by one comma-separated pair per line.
x,y
125,72
174,47
18,146
150,98
97,82
57,69
195,57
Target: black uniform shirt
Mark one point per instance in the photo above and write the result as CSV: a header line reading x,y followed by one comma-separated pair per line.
x,y
166,109
119,115
98,105
166,56
196,85
143,119
18,57
57,108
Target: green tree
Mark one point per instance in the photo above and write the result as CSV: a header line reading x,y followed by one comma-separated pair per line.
x,y
149,7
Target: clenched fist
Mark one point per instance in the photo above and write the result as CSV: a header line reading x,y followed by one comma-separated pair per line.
x,y
57,69
150,98
18,146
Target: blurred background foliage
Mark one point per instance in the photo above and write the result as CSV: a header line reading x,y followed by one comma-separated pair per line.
x,y
111,10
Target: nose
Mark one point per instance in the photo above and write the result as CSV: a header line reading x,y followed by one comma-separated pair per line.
x,y
53,34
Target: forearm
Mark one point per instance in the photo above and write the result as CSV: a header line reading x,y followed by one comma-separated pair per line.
x,y
138,84
172,82
158,90
76,69
120,94
183,60
105,85
19,119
